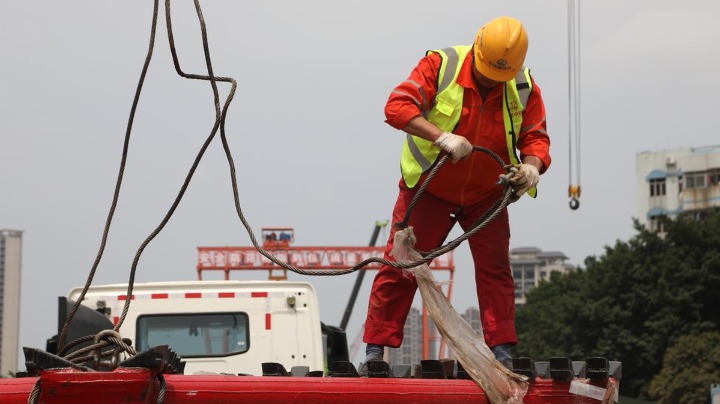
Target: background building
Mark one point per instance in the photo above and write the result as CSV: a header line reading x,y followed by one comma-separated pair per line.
x,y
472,317
676,182
530,265
10,254
410,351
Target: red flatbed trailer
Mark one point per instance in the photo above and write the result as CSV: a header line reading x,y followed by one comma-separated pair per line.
x,y
559,381
139,386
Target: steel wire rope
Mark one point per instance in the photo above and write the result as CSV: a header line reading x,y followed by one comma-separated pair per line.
x,y
220,123
80,355
578,110
220,116
439,251
574,121
118,183
219,120
508,197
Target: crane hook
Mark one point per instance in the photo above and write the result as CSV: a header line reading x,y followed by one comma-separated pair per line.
x,y
574,194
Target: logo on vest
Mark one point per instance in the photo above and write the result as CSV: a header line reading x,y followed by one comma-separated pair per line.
x,y
500,64
514,109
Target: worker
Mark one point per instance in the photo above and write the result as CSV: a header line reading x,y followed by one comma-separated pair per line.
x,y
454,99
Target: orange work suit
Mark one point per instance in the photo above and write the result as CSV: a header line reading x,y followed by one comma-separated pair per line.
x,y
458,193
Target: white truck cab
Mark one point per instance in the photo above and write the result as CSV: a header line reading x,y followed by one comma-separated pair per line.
x,y
221,326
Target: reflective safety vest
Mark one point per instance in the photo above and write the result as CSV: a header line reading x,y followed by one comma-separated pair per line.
x,y
418,154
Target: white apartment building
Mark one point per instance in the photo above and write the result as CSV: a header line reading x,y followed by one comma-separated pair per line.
x,y
530,265
10,259
676,182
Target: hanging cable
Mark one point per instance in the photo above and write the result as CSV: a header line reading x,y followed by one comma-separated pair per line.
x,y
219,126
574,103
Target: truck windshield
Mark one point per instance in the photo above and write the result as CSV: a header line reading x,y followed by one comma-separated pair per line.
x,y
193,335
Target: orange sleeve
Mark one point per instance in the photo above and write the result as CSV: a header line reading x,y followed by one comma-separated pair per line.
x,y
533,139
415,94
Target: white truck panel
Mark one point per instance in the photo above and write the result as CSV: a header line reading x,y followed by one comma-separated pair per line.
x,y
283,321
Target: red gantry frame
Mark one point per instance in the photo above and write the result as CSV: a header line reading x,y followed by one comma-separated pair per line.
x,y
278,241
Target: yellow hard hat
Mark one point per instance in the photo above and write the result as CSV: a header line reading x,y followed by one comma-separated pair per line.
x,y
500,48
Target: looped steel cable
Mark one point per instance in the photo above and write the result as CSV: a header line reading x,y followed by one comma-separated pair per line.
x,y
95,352
431,174
93,355
102,339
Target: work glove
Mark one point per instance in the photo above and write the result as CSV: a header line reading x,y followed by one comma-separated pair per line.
x,y
456,146
527,176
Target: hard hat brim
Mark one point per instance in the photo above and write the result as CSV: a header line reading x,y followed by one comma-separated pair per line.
x,y
494,74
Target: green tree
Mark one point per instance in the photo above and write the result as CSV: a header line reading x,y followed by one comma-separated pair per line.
x,y
630,304
689,368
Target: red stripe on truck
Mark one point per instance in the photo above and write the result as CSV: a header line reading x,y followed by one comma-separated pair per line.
x,y
191,295
267,321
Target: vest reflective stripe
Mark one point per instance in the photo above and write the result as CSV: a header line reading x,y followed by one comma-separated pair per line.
x,y
424,100
515,95
418,154
520,92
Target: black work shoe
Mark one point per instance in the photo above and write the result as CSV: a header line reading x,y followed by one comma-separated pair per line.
x,y
502,354
363,371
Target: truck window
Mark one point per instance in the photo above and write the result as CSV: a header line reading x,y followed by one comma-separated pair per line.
x,y
193,335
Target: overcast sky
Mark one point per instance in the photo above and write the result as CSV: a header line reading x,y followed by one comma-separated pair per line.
x,y
307,127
